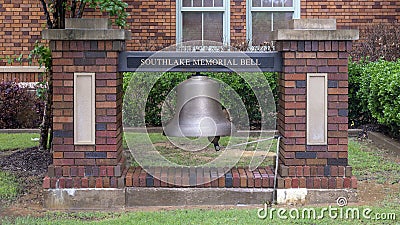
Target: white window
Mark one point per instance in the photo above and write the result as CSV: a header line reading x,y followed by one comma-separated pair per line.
x,y
206,20
265,16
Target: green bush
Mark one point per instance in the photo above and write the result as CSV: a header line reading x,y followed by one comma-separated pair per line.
x,y
381,85
374,93
359,113
168,81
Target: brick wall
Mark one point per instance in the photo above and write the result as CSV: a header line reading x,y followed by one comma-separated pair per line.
x,y
20,77
238,21
354,14
21,22
153,22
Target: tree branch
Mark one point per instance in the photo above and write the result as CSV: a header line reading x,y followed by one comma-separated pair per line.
x,y
46,13
81,9
73,8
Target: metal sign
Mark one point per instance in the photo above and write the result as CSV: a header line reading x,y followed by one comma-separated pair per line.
x,y
131,61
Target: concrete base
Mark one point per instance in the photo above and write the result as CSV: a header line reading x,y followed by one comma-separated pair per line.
x,y
304,196
196,196
108,198
84,198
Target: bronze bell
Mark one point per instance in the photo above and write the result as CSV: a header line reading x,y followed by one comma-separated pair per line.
x,y
199,112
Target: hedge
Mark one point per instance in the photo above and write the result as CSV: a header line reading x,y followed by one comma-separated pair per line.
x,y
168,81
374,92
19,107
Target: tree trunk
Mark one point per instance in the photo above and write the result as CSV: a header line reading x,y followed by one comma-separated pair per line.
x,y
46,126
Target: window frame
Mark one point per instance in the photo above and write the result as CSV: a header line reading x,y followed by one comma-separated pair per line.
x,y
295,9
225,9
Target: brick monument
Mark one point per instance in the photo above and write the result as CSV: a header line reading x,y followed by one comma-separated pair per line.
x,y
313,102
87,107
87,122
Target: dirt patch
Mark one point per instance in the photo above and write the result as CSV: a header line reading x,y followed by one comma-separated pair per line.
x,y
29,166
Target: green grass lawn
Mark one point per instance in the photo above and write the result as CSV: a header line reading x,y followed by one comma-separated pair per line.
x,y
9,186
370,162
365,160
201,216
171,151
17,141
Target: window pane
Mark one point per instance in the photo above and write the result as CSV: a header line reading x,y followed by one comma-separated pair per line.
x,y
213,26
197,3
191,26
283,3
289,3
187,3
262,26
218,3
281,20
256,3
279,3
266,3
208,3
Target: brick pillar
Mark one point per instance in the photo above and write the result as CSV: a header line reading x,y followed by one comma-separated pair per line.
x,y
87,144
313,151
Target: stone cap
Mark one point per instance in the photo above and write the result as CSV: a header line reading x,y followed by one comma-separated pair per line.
x,y
314,30
313,24
21,69
86,29
88,23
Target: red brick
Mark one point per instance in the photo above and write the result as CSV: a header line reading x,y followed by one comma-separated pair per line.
x,y
46,183
334,171
294,162
341,171
77,182
103,171
281,182
347,182
63,162
332,182
339,182
302,182
299,171
306,171
354,182
324,182
243,177
66,171
292,171
288,182
295,182
106,182
99,182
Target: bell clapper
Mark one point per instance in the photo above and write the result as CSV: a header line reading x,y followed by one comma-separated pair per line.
x,y
215,140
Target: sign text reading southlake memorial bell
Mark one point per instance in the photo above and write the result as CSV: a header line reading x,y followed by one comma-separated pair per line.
x,y
200,61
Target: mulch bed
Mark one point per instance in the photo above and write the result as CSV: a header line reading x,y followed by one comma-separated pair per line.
x,y
29,166
27,162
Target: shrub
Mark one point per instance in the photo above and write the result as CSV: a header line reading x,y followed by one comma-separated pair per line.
x,y
168,81
379,93
19,107
359,113
379,41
